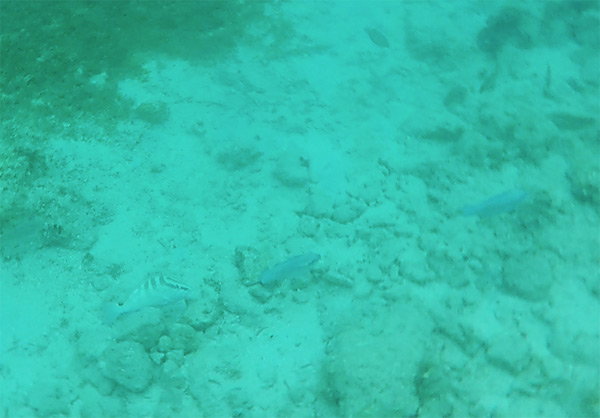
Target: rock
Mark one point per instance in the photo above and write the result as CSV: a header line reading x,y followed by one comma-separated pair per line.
x,y
165,344
203,312
509,351
128,365
528,276
376,360
174,375
184,338
292,171
145,327
157,357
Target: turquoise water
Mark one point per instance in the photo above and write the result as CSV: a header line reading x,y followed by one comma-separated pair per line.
x,y
331,146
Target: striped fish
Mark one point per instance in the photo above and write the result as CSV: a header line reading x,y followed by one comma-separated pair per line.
x,y
157,291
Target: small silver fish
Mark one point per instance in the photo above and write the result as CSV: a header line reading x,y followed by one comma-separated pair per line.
x,y
157,291
377,38
495,205
292,267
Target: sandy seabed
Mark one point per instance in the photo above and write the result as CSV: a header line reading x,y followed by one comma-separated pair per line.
x,y
361,145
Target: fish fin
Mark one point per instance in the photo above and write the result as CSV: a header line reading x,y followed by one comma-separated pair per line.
x,y
110,312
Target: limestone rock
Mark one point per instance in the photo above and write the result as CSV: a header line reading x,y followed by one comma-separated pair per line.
x,y
128,364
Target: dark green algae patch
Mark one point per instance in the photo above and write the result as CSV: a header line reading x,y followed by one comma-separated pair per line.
x,y
61,61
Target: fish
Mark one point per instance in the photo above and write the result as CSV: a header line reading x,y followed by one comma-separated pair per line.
x,y
377,38
495,205
155,292
292,267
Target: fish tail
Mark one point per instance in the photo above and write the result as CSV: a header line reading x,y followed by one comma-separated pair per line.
x,y
469,210
110,312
